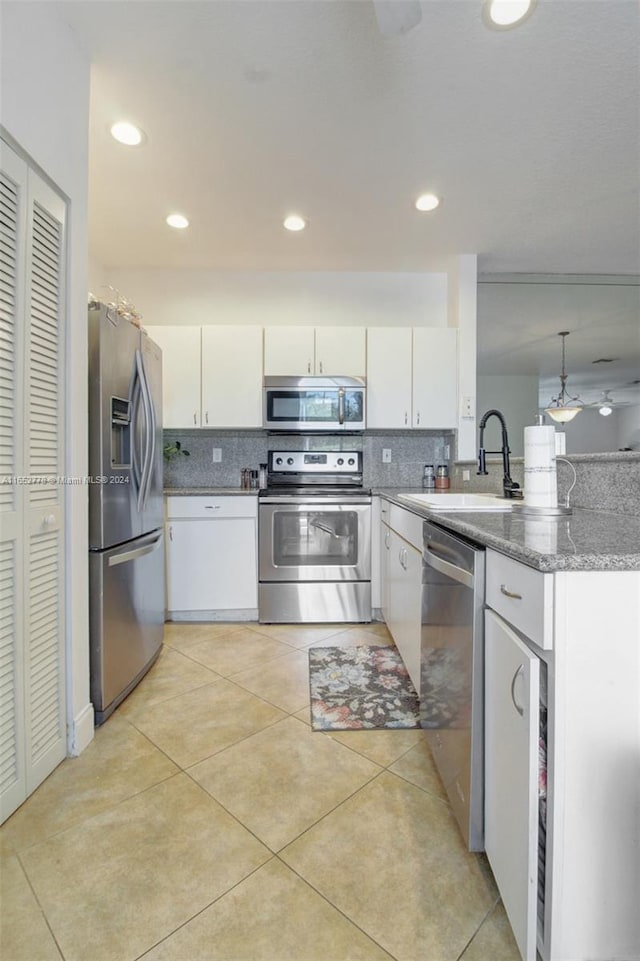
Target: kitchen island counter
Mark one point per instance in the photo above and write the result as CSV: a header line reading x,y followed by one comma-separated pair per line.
x,y
586,540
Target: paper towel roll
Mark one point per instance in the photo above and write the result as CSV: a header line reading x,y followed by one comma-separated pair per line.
x,y
540,483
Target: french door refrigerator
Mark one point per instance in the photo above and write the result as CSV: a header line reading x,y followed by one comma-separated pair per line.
x,y
126,557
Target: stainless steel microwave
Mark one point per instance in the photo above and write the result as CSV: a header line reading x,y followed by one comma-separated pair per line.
x,y
310,404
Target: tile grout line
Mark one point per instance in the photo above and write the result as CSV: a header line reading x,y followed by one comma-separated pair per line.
x,y
206,907
335,906
475,933
37,900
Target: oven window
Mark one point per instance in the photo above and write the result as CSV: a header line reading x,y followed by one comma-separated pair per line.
x,y
315,538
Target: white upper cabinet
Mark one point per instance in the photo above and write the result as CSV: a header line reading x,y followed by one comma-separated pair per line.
x,y
296,351
180,374
289,351
411,377
231,376
341,351
435,377
388,377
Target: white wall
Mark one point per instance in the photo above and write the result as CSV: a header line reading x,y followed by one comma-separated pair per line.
x,y
628,427
270,298
591,433
516,397
45,110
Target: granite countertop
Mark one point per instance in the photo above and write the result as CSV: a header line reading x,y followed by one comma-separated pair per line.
x,y
207,491
582,541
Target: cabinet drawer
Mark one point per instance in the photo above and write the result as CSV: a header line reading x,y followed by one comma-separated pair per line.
x,y
523,596
407,525
244,505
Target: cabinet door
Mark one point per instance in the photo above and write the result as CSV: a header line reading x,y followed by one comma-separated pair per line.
x,y
211,565
341,351
288,351
231,376
388,377
385,570
405,603
512,692
435,377
180,374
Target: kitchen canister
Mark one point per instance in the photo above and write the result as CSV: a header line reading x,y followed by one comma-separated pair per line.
x,y
442,478
428,477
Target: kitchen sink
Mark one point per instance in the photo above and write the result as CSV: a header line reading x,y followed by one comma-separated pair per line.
x,y
458,502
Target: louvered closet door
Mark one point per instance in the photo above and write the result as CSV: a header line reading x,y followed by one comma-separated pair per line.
x,y
13,182
44,496
32,617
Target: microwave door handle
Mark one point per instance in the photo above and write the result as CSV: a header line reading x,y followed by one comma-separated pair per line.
x,y
341,405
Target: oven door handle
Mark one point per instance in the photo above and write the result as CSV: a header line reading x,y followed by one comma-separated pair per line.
x,y
323,527
445,567
289,500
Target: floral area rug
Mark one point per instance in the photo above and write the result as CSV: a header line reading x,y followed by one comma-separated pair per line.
x,y
362,687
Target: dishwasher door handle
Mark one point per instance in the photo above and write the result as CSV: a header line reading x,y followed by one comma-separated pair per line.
x,y
445,567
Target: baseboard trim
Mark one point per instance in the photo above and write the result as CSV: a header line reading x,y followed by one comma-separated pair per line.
x,y
81,731
244,614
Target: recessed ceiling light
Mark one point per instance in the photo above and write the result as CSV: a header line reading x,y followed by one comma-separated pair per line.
x,y
294,222
506,13
127,134
177,221
427,202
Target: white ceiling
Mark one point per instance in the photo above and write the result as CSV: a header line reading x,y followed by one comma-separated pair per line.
x,y
254,109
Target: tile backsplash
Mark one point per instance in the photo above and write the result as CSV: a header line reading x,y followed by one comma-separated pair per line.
x,y
410,451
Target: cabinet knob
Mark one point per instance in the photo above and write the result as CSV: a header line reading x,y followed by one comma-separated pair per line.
x,y
49,521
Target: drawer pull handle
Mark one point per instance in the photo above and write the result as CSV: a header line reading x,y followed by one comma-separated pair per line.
x,y
212,507
503,589
519,709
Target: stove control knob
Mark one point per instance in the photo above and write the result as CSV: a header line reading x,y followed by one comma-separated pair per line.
x,y
340,461
351,462
290,461
278,460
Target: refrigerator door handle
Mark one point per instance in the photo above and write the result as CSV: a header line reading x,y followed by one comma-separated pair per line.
x,y
135,406
136,552
151,427
144,390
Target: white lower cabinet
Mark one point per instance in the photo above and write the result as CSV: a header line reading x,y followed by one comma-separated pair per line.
x,y
562,742
512,718
401,564
212,557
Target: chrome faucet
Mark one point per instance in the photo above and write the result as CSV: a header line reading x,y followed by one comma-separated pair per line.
x,y
509,487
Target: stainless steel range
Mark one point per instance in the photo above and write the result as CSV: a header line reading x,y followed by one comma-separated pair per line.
x,y
314,539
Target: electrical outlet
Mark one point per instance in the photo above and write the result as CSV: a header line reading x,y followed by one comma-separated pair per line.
x,y
386,455
466,475
467,407
217,455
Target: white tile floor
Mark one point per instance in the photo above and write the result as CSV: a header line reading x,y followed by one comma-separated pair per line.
x,y
207,822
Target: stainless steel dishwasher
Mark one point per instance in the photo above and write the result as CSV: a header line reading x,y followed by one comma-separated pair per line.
x,y
452,672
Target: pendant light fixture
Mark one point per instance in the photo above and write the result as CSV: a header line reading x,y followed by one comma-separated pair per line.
x,y
560,409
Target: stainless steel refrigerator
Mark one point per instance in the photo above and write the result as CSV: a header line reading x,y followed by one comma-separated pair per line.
x,y
126,556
